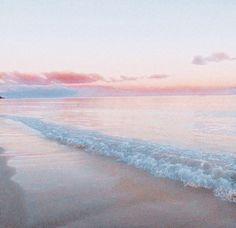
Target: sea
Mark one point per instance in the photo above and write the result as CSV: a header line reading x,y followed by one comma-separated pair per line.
x,y
188,139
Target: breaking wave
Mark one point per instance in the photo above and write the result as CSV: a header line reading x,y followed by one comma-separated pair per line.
x,y
194,168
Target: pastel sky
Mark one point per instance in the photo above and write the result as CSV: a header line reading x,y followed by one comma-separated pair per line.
x,y
91,47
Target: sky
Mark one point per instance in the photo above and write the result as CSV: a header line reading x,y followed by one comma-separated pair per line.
x,y
116,47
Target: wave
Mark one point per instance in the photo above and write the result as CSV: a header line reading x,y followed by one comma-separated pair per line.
x,y
194,168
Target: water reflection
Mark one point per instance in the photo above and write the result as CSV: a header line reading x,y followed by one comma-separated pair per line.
x,y
206,123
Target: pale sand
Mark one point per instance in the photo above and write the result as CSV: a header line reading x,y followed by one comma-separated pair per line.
x,y
59,186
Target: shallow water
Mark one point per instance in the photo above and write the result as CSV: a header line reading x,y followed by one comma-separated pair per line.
x,y
199,122
191,139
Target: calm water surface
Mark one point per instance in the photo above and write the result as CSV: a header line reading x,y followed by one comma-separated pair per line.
x,y
200,122
191,139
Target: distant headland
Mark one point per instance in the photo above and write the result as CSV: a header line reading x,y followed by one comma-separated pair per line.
x,y
1,97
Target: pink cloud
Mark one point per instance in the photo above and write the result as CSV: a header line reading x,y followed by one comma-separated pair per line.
x,y
48,78
72,78
128,78
23,78
122,78
199,60
158,76
215,57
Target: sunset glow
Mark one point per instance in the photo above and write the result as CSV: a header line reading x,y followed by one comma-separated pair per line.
x,y
147,46
117,113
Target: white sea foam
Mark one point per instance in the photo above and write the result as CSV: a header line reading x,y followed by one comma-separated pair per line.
x,y
194,168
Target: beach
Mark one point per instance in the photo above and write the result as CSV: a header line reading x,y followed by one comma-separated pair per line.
x,y
46,184
117,114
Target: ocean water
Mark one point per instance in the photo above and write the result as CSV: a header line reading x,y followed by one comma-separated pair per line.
x,y
190,139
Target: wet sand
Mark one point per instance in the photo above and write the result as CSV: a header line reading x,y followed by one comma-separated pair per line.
x,y
59,186
12,206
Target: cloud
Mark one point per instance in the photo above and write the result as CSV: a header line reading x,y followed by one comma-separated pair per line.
x,y
48,78
198,60
65,78
72,78
128,78
158,76
122,78
22,78
215,57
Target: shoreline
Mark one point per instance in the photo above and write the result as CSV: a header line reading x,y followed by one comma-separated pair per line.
x,y
12,204
63,186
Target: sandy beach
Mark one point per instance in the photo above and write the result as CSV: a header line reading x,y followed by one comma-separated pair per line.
x,y
45,184
117,114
